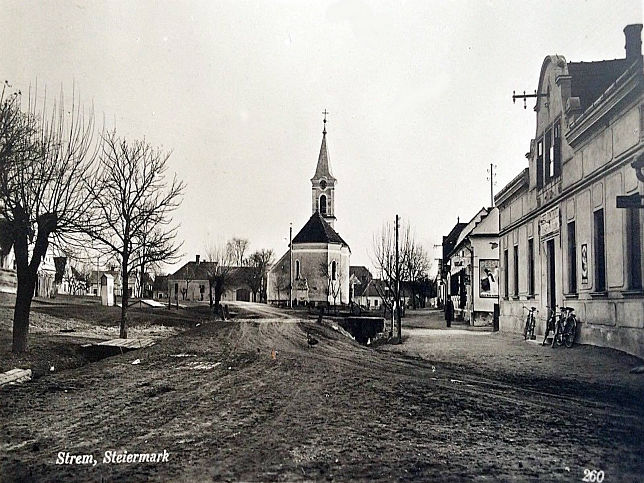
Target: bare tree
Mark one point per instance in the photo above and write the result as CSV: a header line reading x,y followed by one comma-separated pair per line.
x,y
259,261
384,260
236,248
219,271
281,283
44,161
145,261
132,201
77,277
415,263
333,280
188,276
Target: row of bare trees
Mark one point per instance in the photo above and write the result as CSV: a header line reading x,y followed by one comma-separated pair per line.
x,y
62,183
410,267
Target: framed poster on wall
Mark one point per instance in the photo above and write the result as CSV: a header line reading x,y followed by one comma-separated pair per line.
x,y
489,274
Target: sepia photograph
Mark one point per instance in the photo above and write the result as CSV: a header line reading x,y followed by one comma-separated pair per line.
x,y
331,240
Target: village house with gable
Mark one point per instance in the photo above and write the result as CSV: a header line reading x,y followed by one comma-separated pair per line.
x,y
190,282
473,268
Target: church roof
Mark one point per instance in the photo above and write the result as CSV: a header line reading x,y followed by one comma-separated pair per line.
x,y
323,169
317,230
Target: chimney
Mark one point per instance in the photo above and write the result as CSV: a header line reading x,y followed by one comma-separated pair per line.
x,y
197,259
633,34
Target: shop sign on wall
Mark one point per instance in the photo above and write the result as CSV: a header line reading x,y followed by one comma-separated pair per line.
x,y
549,222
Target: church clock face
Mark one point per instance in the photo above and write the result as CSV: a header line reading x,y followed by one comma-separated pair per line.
x,y
323,184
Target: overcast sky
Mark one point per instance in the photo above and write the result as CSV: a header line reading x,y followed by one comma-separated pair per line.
x,y
419,95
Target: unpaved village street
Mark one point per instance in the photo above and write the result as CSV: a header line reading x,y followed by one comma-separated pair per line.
x,y
447,405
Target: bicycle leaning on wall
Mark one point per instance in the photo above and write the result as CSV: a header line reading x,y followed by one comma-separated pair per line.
x,y
566,328
530,322
551,324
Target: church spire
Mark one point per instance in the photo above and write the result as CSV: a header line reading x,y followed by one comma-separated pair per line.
x,y
323,169
323,183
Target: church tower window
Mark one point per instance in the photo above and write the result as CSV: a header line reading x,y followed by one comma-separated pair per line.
x,y
297,269
334,270
323,205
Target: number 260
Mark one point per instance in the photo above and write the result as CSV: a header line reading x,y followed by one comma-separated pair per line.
x,y
593,476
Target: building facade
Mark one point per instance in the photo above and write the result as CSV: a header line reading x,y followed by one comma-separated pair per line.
x,y
564,241
444,291
190,283
474,268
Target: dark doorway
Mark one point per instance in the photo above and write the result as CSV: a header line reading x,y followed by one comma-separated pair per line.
x,y
243,295
550,253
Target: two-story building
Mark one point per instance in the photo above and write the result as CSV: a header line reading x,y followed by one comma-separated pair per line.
x,y
564,241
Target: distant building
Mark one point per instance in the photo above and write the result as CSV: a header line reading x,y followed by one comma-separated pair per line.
x,y
371,297
95,282
563,240
359,278
160,287
474,267
190,282
8,279
444,291
320,257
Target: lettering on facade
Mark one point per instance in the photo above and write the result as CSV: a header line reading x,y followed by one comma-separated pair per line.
x,y
584,263
549,222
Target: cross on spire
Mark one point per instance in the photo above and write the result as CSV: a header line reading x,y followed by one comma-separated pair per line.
x,y
325,112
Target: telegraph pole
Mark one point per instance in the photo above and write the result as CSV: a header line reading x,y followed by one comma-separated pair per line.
x,y
290,250
491,178
491,184
397,294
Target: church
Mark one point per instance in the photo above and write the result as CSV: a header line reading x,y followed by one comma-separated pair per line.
x,y
315,270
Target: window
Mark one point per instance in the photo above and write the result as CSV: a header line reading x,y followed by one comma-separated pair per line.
x,y
556,149
333,270
297,269
600,253
540,163
516,270
323,204
572,258
634,249
506,270
375,302
549,155
531,266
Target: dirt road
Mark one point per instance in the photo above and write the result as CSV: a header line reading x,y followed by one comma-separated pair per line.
x,y
224,409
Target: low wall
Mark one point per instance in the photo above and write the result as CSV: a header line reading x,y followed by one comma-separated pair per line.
x,y
482,319
363,328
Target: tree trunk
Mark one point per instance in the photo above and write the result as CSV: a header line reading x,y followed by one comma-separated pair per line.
x,y
125,296
218,291
142,284
27,274
24,296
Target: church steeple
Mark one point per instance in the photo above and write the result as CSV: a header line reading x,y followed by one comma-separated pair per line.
x,y
323,182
